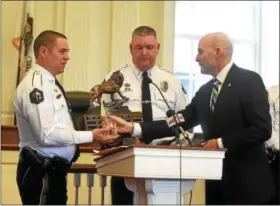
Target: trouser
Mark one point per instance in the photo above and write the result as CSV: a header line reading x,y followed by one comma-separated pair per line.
x,y
214,193
119,192
40,180
273,157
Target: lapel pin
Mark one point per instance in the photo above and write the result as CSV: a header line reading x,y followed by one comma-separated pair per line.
x,y
229,84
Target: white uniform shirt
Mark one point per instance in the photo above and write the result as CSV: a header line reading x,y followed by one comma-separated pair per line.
x,y
169,84
46,126
273,92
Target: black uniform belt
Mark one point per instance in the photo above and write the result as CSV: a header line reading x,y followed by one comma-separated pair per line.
x,y
35,159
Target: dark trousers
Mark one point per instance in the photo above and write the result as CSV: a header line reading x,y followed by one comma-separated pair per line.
x,y
214,193
37,186
119,193
274,165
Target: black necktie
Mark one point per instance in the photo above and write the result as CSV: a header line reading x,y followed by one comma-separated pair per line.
x,y
147,112
77,153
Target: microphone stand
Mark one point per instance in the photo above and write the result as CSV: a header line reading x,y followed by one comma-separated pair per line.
x,y
177,129
171,113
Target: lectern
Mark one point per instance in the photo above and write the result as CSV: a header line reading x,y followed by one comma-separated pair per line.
x,y
160,174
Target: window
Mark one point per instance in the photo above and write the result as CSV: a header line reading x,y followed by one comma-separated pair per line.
x,y
253,27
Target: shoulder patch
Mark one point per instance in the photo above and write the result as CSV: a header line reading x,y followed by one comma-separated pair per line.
x,y
36,96
184,89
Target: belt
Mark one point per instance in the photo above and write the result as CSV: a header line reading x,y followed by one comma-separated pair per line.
x,y
38,160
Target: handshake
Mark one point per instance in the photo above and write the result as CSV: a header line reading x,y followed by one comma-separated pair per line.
x,y
112,128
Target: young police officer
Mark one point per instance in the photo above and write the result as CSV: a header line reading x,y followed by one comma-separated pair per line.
x,y
47,136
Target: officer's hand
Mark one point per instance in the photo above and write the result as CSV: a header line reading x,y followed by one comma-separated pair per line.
x,y
104,135
121,126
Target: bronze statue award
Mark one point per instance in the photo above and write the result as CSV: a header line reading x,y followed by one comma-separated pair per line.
x,y
111,86
115,106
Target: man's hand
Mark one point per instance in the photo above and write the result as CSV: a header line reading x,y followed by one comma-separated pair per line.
x,y
119,125
104,136
210,144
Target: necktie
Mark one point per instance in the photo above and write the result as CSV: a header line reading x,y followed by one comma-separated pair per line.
x,y
215,93
77,153
146,99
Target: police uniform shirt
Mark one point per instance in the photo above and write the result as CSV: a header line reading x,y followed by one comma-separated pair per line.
x,y
43,118
168,83
273,93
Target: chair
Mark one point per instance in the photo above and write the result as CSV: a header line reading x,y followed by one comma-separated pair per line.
x,y
80,104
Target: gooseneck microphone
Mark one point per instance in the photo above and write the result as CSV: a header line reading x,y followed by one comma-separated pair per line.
x,y
173,118
177,119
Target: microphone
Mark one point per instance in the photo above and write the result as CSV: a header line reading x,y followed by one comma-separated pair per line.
x,y
177,119
173,118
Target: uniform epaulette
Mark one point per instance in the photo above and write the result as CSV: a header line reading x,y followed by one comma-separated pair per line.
x,y
118,69
123,67
165,70
37,79
36,95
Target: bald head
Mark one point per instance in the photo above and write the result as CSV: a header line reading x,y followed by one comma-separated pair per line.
x,y
214,53
219,40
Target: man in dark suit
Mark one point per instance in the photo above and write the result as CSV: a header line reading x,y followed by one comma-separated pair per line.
x,y
233,111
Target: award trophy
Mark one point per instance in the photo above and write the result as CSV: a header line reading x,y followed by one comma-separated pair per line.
x,y
111,106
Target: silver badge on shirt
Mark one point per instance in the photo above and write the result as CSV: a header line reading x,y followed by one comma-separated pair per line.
x,y
164,86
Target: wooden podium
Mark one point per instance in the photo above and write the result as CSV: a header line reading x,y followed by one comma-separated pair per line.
x,y
160,174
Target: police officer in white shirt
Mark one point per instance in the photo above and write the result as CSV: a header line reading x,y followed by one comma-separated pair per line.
x,y
144,49
272,145
47,138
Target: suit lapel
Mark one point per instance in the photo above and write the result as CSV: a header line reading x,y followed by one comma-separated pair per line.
x,y
226,89
206,100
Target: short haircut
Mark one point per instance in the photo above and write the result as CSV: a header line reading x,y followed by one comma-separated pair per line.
x,y
144,31
46,38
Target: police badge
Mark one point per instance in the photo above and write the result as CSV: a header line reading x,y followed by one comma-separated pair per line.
x,y
36,96
164,86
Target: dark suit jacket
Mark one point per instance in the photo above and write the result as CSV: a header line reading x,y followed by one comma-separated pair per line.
x,y
241,118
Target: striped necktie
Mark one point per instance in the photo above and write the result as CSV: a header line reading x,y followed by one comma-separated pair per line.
x,y
215,93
